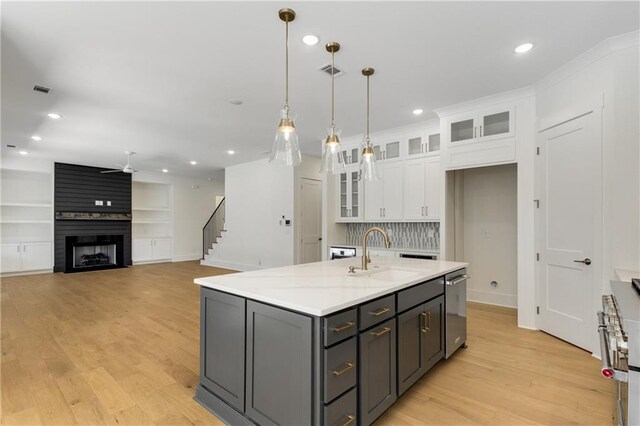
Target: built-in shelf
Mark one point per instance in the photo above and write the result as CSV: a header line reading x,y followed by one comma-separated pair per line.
x,y
3,204
150,221
153,209
23,221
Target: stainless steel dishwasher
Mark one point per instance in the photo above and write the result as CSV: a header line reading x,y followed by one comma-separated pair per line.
x,y
455,297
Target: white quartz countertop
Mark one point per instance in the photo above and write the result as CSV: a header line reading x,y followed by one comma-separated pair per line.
x,y
322,288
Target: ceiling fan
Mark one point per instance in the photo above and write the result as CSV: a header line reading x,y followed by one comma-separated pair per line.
x,y
127,168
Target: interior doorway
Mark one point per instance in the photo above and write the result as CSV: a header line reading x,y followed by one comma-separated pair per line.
x,y
482,230
310,220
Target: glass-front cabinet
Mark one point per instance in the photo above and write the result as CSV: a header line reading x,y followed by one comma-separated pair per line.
x,y
387,150
351,155
433,142
422,145
350,195
486,125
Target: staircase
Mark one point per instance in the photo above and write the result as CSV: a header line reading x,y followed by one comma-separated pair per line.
x,y
213,234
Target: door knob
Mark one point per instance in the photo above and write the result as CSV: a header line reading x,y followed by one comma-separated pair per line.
x,y
586,261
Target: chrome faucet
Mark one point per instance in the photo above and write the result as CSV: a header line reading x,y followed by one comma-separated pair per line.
x,y
366,258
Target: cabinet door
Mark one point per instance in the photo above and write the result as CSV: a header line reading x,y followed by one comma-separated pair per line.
x,y
391,150
414,189
433,141
434,331
415,146
343,197
10,257
141,249
462,128
496,124
392,191
411,348
355,195
36,256
161,248
373,198
432,204
279,372
377,370
222,345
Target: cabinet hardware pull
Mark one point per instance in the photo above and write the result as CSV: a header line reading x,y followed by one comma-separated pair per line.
x,y
475,132
384,212
343,327
379,311
350,419
480,131
422,210
379,333
426,210
348,367
426,317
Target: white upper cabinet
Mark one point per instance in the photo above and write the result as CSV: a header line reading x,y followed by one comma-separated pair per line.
x,y
349,196
383,197
389,149
433,143
480,126
351,155
421,194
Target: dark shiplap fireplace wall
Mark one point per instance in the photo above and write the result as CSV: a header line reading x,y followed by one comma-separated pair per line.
x,y
76,189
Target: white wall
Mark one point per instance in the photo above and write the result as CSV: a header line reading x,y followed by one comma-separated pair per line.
x,y
193,201
489,232
257,195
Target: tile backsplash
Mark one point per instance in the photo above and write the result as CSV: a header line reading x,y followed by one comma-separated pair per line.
x,y
407,235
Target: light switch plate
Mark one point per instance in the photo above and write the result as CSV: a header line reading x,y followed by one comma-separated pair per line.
x,y
108,203
97,203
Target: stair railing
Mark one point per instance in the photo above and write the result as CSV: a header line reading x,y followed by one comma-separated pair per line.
x,y
212,229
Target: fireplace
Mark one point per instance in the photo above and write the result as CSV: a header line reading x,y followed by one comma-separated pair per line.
x,y
92,252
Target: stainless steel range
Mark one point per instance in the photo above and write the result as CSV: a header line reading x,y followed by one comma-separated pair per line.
x,y
619,331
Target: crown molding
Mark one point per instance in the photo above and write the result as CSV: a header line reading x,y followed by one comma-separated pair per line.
x,y
498,98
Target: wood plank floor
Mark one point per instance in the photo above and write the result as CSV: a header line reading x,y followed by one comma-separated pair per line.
x,y
121,347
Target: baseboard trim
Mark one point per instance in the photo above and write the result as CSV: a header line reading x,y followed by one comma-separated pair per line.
x,y
186,258
18,274
490,298
217,263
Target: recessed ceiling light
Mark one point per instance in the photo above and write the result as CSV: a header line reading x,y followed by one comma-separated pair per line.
x,y
235,101
36,138
23,152
165,170
417,111
523,48
54,115
310,40
193,163
231,152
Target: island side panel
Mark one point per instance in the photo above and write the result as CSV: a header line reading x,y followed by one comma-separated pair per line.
x,y
279,379
222,365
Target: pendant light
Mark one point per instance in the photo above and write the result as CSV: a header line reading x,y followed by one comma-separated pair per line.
x,y
332,161
286,150
368,167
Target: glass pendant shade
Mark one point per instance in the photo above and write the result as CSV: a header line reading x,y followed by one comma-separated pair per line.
x,y
332,160
286,150
368,166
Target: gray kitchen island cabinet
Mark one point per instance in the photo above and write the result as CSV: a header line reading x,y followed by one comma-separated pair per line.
x,y
267,363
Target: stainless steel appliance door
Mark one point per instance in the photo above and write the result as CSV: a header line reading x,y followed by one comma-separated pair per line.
x,y
455,295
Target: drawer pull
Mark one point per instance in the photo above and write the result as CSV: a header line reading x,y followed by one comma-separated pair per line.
x,y
380,311
343,327
348,367
427,321
350,419
383,330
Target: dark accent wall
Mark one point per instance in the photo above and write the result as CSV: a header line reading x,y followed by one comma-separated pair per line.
x,y
76,189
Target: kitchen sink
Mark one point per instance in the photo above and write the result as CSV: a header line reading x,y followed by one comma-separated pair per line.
x,y
388,273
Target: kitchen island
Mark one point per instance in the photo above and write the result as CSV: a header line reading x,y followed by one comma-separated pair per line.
x,y
314,344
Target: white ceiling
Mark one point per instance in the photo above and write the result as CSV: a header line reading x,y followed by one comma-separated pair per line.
x,y
157,77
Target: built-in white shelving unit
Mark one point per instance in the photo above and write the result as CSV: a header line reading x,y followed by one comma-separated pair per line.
x,y
152,224
26,220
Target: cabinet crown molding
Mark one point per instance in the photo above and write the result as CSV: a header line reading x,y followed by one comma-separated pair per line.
x,y
487,101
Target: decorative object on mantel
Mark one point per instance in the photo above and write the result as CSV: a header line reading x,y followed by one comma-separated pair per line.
x,y
286,150
92,216
332,161
368,168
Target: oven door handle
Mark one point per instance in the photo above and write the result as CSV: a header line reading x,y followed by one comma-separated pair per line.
x,y
606,369
458,280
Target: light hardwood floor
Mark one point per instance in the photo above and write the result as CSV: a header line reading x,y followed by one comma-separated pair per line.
x,y
121,347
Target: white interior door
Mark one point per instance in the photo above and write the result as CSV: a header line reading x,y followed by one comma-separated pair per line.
x,y
310,220
569,218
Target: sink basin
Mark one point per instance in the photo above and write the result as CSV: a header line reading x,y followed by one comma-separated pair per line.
x,y
387,273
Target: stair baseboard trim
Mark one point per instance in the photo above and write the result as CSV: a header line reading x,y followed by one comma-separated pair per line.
x,y
217,263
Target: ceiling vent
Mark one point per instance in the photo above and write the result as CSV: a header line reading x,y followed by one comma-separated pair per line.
x,y
11,146
41,89
327,69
